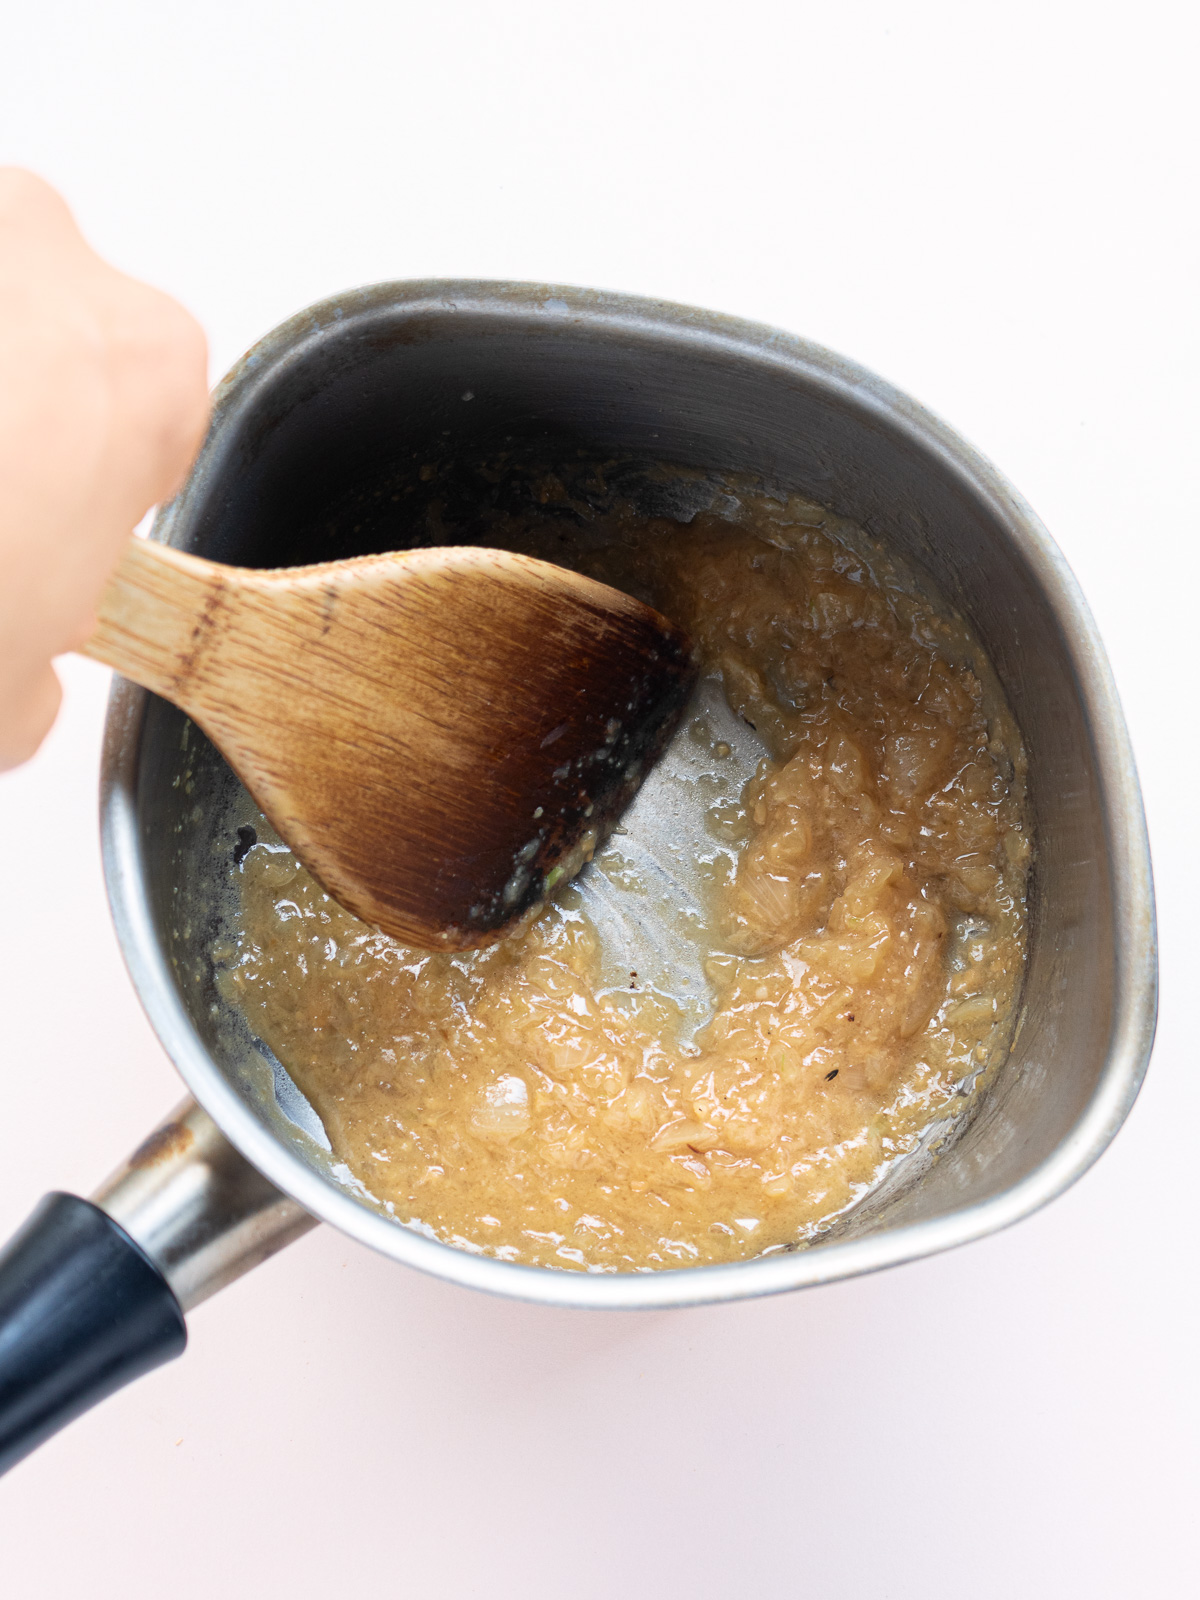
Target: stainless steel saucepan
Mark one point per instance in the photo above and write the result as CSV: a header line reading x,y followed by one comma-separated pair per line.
x,y
355,426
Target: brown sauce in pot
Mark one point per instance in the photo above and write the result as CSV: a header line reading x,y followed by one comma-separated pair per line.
x,y
862,933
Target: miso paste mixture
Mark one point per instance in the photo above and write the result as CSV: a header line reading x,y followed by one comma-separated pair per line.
x,y
862,937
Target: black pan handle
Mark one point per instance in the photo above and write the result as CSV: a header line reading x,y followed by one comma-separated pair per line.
x,y
93,1292
83,1310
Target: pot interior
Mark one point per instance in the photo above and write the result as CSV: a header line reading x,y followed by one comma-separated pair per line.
x,y
410,414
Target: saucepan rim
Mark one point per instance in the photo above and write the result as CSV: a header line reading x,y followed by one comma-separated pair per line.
x,y
1135,975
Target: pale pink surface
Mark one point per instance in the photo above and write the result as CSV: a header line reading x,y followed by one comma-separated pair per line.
x,y
981,225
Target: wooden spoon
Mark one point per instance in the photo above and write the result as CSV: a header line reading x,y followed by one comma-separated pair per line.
x,y
441,736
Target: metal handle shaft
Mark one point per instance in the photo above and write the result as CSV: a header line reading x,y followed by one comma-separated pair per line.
x,y
197,1207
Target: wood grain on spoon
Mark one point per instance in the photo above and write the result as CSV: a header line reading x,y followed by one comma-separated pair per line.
x,y
439,735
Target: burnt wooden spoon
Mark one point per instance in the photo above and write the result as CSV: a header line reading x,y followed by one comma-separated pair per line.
x,y
440,736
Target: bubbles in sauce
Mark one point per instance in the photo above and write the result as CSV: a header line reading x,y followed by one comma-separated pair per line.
x,y
804,945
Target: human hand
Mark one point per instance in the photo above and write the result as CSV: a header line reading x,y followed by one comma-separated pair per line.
x,y
103,403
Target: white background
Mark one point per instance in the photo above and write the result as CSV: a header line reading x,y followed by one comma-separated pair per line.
x,y
994,206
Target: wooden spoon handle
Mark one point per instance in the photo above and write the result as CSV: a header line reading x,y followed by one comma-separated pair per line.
x,y
156,616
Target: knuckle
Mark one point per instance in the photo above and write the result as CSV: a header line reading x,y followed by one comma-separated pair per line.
x,y
25,197
25,725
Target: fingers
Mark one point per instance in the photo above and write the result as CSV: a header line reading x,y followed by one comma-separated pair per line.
x,y
157,366
39,212
27,713
103,404
60,300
